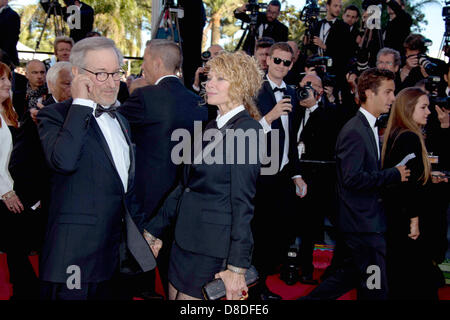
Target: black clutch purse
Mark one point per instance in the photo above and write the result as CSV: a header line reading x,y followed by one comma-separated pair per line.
x,y
215,289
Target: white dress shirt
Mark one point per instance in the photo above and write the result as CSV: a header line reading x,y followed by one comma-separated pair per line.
x,y
6,147
284,121
224,118
324,31
372,120
115,138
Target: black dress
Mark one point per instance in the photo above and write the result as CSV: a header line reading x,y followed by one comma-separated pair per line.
x,y
17,243
410,271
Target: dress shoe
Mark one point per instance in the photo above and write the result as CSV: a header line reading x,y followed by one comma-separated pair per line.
x,y
307,279
266,294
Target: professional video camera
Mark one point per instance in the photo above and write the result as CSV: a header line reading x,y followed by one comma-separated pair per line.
x,y
446,40
431,85
52,7
320,65
254,8
310,16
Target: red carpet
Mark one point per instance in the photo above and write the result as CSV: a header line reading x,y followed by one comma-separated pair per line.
x,y
322,258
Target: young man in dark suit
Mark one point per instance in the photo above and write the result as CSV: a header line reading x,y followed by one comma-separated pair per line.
x,y
92,238
275,192
154,112
361,219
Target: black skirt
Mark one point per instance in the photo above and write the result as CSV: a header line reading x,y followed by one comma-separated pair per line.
x,y
189,271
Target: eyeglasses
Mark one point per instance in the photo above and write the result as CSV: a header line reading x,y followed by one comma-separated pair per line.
x,y
387,63
103,76
286,63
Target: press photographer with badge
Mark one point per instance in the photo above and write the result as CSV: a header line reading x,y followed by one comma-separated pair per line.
x,y
316,128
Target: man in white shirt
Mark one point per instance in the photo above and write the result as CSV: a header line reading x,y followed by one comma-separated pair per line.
x,y
276,193
92,238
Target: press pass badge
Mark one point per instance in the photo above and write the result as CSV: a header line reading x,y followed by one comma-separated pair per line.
x,y
301,149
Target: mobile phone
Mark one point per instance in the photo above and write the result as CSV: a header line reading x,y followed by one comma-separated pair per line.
x,y
286,97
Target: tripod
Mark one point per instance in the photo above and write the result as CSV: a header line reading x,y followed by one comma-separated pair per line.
x,y
53,9
249,31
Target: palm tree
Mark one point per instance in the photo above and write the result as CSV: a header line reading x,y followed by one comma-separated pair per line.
x,y
216,10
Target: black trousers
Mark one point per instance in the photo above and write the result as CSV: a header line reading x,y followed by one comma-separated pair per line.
x,y
319,202
363,268
272,225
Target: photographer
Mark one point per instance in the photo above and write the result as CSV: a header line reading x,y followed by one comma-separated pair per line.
x,y
316,127
351,17
399,25
267,24
317,65
332,38
390,59
200,75
418,65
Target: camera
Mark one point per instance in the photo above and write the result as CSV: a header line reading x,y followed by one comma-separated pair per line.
x,y
206,55
290,271
320,65
430,67
431,85
303,92
310,16
254,7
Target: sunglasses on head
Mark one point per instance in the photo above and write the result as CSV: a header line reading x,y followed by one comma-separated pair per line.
x,y
286,63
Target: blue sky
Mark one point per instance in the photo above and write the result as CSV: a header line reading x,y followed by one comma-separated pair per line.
x,y
433,13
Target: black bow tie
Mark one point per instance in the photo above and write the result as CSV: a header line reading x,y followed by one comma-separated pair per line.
x,y
329,22
100,110
283,90
378,123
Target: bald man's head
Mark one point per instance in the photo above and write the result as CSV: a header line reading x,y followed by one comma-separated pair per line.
x,y
35,73
316,82
215,49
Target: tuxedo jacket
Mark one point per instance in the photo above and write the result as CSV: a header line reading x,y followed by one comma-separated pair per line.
x,y
89,211
339,45
213,204
398,29
360,178
265,103
154,112
10,23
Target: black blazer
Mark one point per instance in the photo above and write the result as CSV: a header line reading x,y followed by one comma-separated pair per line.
x,y
265,102
339,45
154,112
398,29
360,178
86,23
10,24
88,203
213,205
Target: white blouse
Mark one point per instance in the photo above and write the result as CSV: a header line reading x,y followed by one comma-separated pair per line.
x,y
6,147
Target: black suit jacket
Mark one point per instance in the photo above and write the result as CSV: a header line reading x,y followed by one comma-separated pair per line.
x,y
398,29
265,102
89,212
275,30
213,205
360,178
154,112
10,22
339,45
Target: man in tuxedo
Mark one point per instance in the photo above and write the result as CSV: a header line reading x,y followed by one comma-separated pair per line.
x,y
351,16
154,112
333,39
267,25
262,49
361,219
93,236
10,21
316,126
275,193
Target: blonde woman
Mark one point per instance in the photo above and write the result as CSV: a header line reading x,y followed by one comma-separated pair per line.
x,y
213,205
410,270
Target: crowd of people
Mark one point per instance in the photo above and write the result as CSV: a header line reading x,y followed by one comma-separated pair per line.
x,y
279,138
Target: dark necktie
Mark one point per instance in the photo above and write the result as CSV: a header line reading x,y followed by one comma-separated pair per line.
x,y
111,111
282,90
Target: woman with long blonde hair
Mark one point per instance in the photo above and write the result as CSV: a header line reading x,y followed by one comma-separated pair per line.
x,y
409,269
